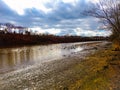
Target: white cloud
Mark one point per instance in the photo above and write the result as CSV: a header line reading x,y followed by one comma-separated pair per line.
x,y
53,31
20,5
73,2
61,17
93,1
69,1
44,31
81,32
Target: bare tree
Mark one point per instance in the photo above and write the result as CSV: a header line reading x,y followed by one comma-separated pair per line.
x,y
108,11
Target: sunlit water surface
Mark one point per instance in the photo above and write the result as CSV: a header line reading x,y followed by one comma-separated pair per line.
x,y
15,58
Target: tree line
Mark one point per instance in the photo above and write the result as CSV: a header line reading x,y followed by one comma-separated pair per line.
x,y
11,39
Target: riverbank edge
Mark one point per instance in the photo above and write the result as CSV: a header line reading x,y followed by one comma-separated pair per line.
x,y
101,70
97,71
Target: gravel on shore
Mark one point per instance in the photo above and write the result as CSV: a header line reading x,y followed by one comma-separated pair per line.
x,y
53,75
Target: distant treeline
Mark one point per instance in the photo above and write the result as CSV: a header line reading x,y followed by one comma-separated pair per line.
x,y
11,39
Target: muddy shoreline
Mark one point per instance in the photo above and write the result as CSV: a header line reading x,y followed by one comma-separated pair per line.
x,y
55,75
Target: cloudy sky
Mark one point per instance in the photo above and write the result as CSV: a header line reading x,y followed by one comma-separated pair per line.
x,y
60,17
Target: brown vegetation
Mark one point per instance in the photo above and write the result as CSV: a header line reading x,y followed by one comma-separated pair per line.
x,y
10,39
99,71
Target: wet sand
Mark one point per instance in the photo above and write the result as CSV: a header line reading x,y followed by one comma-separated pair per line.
x,y
53,75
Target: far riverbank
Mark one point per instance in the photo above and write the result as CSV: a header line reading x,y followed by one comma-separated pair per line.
x,y
16,40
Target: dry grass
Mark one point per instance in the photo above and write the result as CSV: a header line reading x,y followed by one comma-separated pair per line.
x,y
98,71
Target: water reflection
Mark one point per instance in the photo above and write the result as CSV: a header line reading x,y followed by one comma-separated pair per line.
x,y
14,58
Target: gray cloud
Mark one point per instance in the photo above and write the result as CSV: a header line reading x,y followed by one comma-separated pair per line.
x,y
6,14
63,16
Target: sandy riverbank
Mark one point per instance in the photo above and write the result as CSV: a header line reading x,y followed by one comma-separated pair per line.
x,y
61,74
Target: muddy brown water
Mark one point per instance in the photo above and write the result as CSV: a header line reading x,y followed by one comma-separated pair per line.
x,y
43,67
15,58
12,59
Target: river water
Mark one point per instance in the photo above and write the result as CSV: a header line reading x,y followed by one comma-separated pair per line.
x,y
12,59
44,67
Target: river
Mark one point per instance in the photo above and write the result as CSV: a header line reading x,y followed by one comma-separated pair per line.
x,y
12,59
43,67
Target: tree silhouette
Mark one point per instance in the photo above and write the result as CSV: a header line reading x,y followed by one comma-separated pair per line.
x,y
108,11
